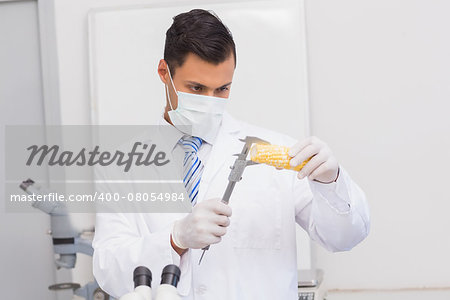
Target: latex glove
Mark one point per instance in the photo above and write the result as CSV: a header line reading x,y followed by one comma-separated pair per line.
x,y
323,166
205,225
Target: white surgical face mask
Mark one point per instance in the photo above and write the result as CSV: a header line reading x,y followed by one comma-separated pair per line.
x,y
203,113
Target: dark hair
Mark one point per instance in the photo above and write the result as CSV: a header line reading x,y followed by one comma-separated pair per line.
x,y
199,32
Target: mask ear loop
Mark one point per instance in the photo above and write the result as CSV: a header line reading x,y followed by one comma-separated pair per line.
x,y
168,96
167,88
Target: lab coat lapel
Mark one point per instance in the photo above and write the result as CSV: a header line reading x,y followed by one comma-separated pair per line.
x,y
222,149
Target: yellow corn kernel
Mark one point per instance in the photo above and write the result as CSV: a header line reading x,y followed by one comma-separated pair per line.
x,y
274,155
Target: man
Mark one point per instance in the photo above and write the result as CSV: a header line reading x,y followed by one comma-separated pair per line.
x,y
253,252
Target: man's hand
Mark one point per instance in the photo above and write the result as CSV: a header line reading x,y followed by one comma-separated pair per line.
x,y
323,166
205,225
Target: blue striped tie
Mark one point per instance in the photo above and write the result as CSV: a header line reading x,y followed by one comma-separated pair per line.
x,y
192,165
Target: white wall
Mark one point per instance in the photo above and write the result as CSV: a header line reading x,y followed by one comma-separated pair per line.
x,y
380,91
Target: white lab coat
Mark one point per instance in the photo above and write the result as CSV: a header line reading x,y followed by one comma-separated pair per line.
x,y
256,259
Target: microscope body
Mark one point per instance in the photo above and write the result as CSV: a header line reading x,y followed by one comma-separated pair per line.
x,y
167,292
67,241
141,292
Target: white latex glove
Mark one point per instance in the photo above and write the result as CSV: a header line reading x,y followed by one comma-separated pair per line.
x,y
205,225
323,166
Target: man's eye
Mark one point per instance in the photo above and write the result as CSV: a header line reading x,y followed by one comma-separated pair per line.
x,y
196,88
225,88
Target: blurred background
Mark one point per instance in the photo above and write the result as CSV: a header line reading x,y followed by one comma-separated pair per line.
x,y
371,78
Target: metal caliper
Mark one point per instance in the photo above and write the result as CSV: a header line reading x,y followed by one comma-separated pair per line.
x,y
237,169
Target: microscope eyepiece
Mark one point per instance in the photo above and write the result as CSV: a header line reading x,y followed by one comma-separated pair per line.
x,y
170,275
142,276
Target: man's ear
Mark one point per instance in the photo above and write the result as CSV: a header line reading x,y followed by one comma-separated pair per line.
x,y
162,71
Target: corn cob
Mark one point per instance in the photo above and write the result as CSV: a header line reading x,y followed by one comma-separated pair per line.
x,y
274,155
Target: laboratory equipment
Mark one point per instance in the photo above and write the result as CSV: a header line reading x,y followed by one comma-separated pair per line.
x,y
142,278
67,242
167,290
310,285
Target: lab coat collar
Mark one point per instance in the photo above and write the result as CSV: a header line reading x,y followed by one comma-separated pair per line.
x,y
223,148
230,124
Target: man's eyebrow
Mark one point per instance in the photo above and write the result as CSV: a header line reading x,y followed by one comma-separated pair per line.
x,y
203,86
225,85
195,83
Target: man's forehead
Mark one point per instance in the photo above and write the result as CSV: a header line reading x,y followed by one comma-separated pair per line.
x,y
196,70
